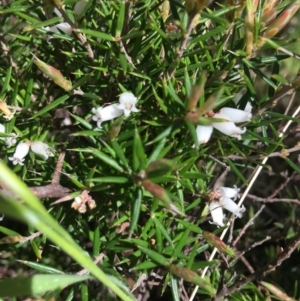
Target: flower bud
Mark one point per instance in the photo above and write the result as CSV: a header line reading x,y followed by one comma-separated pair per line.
x,y
281,21
218,243
159,193
191,276
159,168
41,148
53,74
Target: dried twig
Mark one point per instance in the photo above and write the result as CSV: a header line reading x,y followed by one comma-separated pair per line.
x,y
258,243
284,153
30,237
96,261
285,254
274,200
249,223
183,45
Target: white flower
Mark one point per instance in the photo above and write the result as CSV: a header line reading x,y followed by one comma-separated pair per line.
x,y
127,103
227,194
106,113
41,148
79,7
234,115
217,215
20,153
228,127
222,199
10,141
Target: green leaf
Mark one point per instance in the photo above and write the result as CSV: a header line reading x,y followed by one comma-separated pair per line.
x,y
97,34
139,158
155,256
100,155
41,267
51,106
136,208
37,285
32,212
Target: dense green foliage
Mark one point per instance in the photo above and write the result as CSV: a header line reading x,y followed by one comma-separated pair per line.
x,y
135,194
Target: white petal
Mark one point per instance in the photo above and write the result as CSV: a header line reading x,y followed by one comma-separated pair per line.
x,y
231,206
228,192
229,128
234,115
41,148
127,97
79,7
57,12
106,113
110,112
203,133
217,215
248,107
2,128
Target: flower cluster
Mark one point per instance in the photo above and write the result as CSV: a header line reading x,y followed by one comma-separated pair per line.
x,y
228,127
224,197
22,150
127,102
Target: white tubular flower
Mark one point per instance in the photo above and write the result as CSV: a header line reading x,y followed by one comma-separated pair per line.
x,y
127,103
227,194
20,153
79,7
203,133
231,206
217,215
107,113
234,115
230,129
41,148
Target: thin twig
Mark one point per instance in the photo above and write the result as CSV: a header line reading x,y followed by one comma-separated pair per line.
x,y
258,243
282,186
284,153
275,200
285,254
30,237
58,168
183,44
249,223
96,261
